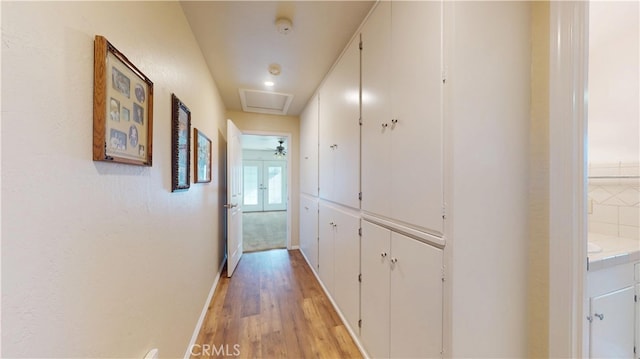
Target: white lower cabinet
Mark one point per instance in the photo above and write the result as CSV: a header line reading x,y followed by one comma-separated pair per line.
x,y
401,295
309,229
339,259
612,325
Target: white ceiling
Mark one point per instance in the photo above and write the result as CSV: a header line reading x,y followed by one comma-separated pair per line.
x,y
239,41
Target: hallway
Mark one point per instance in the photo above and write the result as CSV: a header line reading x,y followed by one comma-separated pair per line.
x,y
272,307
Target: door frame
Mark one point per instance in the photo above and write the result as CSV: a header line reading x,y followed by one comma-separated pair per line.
x,y
290,153
568,326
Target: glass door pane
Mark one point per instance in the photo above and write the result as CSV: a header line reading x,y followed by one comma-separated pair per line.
x,y
276,192
252,184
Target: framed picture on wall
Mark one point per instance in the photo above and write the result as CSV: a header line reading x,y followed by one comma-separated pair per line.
x,y
122,108
180,145
202,157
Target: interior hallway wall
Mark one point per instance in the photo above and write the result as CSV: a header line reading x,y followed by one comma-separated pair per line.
x,y
538,274
101,259
281,124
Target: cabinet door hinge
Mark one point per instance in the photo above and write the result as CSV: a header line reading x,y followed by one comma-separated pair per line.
x,y
360,121
442,273
444,212
634,350
359,323
360,277
590,318
360,45
444,75
635,298
360,196
587,264
360,231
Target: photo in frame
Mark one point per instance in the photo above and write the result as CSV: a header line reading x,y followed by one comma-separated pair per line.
x,y
201,157
120,88
180,145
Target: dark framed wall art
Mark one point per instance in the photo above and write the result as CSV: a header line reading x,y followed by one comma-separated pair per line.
x,y
202,157
180,145
122,108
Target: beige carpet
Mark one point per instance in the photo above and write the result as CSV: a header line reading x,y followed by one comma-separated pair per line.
x,y
264,230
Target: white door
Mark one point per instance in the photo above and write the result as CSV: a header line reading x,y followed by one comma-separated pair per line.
x,y
234,196
252,187
612,324
265,186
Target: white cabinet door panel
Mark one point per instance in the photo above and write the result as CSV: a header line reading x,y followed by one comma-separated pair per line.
x,y
309,148
416,299
347,266
375,289
612,324
376,111
340,131
326,248
309,230
416,150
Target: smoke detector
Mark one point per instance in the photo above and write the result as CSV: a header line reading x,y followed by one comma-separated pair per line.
x,y
284,25
274,69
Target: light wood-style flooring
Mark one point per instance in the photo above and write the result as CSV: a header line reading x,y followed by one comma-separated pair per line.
x,y
272,307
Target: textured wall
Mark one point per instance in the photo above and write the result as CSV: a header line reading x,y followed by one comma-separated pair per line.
x,y
256,123
99,259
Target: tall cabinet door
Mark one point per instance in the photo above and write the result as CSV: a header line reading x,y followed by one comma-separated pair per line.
x,y
376,252
416,299
347,266
376,111
326,229
417,97
309,229
309,148
340,130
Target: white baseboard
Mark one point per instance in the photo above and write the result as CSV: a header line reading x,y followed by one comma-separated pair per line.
x,y
354,336
196,331
295,247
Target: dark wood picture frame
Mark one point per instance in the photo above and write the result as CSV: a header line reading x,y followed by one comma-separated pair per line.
x,y
180,145
122,108
201,157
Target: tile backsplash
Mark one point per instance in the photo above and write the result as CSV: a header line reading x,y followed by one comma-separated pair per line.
x,y
614,199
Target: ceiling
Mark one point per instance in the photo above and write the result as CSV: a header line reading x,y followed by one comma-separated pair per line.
x,y
240,40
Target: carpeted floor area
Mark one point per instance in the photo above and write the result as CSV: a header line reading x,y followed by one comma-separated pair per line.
x,y
264,230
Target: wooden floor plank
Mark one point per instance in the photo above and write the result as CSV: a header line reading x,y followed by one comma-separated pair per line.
x,y
272,307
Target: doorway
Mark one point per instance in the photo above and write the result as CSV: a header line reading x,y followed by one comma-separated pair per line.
x,y
265,192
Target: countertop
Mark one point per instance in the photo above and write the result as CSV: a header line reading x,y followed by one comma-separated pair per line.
x,y
615,250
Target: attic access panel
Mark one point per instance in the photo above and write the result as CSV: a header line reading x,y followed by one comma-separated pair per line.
x,y
273,103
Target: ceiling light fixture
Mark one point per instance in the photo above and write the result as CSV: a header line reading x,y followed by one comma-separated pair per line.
x,y
280,152
284,25
269,83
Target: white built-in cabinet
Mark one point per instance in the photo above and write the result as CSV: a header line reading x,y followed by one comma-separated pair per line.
x,y
309,229
612,312
402,89
339,162
339,264
309,148
401,294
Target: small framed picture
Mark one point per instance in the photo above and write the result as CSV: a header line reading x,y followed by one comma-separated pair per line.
x,y
180,145
115,137
202,157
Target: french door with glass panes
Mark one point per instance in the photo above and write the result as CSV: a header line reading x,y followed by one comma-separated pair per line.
x,y
265,186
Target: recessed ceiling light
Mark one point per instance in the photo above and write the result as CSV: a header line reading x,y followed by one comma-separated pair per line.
x,y
269,83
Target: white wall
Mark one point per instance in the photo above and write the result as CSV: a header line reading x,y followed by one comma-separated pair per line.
x,y
614,82
100,259
487,53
